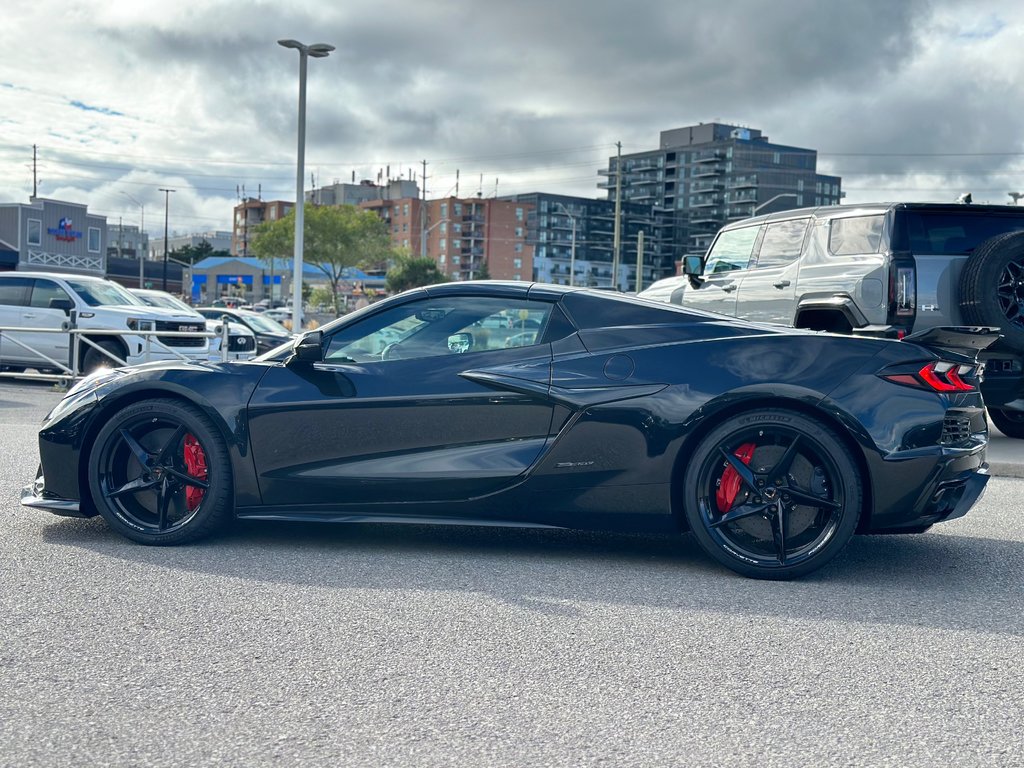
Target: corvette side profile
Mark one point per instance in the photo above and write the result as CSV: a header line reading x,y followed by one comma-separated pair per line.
x,y
492,403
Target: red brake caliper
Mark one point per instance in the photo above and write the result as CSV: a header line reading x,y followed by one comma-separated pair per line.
x,y
730,484
195,463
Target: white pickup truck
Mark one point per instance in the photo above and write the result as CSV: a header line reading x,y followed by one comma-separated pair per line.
x,y
32,304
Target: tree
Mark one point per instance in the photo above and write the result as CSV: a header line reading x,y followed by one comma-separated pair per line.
x,y
481,272
412,272
194,253
334,239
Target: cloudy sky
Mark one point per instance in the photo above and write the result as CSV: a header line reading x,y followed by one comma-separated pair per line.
x,y
905,99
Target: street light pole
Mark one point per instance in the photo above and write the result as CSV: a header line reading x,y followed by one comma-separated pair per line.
x,y
142,228
317,51
572,249
167,208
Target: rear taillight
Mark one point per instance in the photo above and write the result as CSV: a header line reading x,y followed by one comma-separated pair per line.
x,y
939,376
904,292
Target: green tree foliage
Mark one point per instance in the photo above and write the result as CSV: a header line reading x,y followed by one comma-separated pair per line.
x,y
482,272
195,253
412,272
334,238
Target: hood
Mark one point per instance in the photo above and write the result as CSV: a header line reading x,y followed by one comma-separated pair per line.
x,y
149,313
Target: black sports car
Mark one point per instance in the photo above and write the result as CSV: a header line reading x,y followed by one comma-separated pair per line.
x,y
534,405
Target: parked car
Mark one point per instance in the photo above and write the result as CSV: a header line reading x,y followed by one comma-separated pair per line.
x,y
241,340
45,300
886,269
281,315
269,333
772,445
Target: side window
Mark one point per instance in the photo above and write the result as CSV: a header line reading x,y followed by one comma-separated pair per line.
x,y
858,234
43,291
782,242
732,250
441,326
34,236
94,240
14,291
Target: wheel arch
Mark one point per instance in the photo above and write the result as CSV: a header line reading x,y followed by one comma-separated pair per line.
x,y
128,397
728,410
118,342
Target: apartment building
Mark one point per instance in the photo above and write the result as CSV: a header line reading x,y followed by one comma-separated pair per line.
x,y
467,237
573,241
248,215
702,176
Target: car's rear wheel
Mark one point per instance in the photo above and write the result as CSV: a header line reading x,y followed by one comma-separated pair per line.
x,y
1010,423
772,494
159,473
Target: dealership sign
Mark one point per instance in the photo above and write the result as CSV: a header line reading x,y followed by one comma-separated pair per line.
x,y
63,231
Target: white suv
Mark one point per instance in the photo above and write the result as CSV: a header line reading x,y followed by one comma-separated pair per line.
x,y
241,341
44,300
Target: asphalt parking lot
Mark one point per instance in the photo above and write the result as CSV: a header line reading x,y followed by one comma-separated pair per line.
x,y
411,645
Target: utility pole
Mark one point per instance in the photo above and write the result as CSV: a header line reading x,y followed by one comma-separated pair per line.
x,y
639,260
167,204
35,178
423,214
120,235
617,236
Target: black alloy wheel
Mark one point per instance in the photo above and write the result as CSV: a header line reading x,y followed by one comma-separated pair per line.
x,y
1010,292
772,494
159,473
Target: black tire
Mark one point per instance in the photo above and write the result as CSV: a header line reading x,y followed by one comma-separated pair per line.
x,y
93,359
992,287
145,485
796,501
1010,423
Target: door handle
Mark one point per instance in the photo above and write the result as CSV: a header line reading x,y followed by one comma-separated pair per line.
x,y
729,287
28,316
781,283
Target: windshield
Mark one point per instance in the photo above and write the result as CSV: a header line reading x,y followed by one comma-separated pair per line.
x,y
265,324
101,293
164,300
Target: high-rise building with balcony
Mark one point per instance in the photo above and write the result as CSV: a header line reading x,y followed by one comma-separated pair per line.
x,y
702,176
566,231
249,214
467,237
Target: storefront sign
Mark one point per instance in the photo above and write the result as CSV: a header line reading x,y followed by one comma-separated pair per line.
x,y
64,232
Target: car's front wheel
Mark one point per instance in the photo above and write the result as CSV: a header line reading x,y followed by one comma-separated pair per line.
x,y
772,494
159,473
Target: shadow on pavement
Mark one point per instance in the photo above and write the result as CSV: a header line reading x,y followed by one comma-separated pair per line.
x,y
938,580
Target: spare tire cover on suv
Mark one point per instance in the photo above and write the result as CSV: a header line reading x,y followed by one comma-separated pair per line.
x,y
992,286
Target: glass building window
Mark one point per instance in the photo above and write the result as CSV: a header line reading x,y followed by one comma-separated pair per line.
x,y
35,232
94,240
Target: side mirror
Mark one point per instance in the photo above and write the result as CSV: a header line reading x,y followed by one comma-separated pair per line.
x,y
460,342
65,304
693,268
309,348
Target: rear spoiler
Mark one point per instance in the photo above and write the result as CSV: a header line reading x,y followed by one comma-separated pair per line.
x,y
965,339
